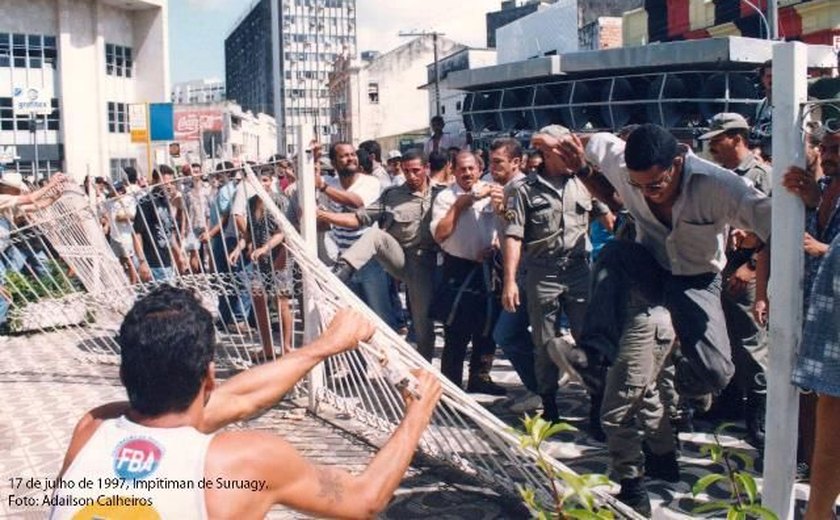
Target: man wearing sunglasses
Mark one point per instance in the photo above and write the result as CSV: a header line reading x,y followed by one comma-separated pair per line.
x,y
683,207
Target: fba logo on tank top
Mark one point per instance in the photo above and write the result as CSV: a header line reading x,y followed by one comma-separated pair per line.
x,y
137,458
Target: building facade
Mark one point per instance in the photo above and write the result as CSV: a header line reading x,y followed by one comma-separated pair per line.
x,y
380,99
209,133
811,21
92,59
278,59
452,100
198,91
511,11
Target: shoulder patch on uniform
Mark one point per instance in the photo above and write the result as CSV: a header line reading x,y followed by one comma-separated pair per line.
x,y
510,215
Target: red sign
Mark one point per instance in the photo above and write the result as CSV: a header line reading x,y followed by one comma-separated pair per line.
x,y
190,123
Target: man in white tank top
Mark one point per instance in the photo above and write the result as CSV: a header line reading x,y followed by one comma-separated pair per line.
x,y
159,456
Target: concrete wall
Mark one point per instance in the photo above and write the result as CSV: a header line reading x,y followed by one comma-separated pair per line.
x,y
553,29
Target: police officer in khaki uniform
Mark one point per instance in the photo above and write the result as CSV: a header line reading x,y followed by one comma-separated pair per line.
x,y
403,243
548,216
728,139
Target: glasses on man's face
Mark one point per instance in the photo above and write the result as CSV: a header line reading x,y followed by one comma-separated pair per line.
x,y
658,185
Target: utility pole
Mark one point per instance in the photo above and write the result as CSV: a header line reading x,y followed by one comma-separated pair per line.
x,y
434,35
773,18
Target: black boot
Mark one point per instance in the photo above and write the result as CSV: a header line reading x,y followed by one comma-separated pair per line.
x,y
634,494
595,428
484,385
590,367
662,467
754,418
550,411
344,271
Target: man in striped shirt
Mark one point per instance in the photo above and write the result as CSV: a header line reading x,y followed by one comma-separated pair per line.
x,y
349,191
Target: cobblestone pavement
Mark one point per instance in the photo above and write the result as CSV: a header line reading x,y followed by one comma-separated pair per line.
x,y
46,386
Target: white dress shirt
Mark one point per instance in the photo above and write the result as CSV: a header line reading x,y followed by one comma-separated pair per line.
x,y
475,229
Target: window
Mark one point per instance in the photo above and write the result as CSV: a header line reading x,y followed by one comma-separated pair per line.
x,y
117,118
54,117
117,167
457,106
27,50
118,60
7,116
443,109
373,93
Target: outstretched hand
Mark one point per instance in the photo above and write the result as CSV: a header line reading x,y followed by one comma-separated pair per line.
x,y
429,389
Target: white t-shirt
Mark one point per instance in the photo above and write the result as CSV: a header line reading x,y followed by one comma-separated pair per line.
x,y
124,460
367,187
122,230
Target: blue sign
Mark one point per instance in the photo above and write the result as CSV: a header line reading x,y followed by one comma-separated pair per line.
x,y
161,118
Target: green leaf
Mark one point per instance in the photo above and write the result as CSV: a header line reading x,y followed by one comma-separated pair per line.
x,y
723,427
593,480
716,452
558,428
746,459
736,514
702,484
717,505
748,483
760,512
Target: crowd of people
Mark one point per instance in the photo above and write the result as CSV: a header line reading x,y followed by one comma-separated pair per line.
x,y
624,262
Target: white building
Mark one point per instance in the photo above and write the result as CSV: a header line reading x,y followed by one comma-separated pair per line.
x,y
93,58
209,133
380,99
452,100
198,91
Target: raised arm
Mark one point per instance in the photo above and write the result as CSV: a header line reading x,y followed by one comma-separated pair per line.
x,y
263,386
322,491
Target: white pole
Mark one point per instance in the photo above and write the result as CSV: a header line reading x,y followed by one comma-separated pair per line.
x,y
309,233
789,92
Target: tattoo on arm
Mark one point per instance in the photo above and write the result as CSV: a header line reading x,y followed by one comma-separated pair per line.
x,y
329,485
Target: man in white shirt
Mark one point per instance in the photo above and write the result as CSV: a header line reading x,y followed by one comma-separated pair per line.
x,y
683,207
464,224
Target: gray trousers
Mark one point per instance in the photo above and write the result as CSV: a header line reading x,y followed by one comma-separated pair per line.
x,y
632,410
549,292
415,267
748,340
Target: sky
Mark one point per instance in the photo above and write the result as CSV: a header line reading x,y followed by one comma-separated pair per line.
x,y
197,28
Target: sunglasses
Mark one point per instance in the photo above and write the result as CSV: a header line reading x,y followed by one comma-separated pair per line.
x,y
659,185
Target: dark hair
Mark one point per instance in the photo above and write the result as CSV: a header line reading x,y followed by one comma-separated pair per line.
x,y
414,154
195,165
225,165
437,160
131,174
167,341
165,169
764,66
373,148
512,147
437,119
648,146
365,160
333,152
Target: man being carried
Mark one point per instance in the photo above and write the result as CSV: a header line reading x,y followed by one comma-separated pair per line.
x,y
683,207
176,407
